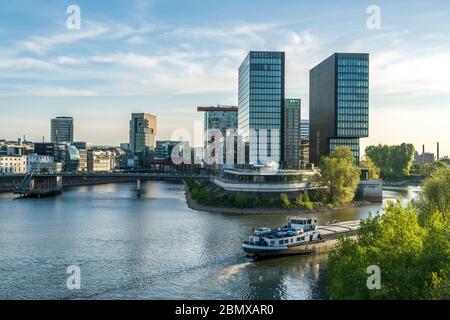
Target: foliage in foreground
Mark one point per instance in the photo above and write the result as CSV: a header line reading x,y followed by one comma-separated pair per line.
x,y
411,246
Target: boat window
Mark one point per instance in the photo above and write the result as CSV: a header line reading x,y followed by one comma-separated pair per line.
x,y
292,240
272,243
286,241
298,239
302,238
280,242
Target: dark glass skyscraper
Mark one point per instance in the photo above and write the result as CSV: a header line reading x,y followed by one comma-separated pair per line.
x,y
261,104
61,129
339,104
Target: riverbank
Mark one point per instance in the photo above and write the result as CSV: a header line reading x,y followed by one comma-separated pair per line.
x,y
194,205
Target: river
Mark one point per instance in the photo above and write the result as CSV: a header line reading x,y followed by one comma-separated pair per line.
x,y
154,247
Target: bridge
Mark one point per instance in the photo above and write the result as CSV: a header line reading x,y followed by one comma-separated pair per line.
x,y
10,183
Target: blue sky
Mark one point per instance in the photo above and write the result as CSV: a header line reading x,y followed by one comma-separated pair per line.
x,y
167,57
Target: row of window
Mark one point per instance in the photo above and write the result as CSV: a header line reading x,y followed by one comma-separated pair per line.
x,y
353,62
353,76
265,67
353,97
266,60
353,83
353,111
271,85
265,79
353,132
266,91
353,104
353,90
352,69
265,73
256,104
352,117
262,97
352,124
265,109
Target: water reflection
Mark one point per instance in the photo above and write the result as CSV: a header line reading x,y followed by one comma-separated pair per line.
x,y
153,247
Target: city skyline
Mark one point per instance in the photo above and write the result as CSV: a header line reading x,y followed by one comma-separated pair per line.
x,y
166,63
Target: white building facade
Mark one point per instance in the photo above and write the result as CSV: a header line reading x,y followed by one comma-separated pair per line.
x,y
11,164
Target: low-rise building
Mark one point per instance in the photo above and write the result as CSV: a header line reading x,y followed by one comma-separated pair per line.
x,y
101,161
13,164
35,158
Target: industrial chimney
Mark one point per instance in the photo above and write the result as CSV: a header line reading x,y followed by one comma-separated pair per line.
x,y
437,151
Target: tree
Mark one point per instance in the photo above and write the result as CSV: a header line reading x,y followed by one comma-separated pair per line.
x,y
340,174
393,161
435,193
427,169
413,257
374,171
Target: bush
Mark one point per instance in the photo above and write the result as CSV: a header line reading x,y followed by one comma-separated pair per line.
x,y
285,200
299,200
240,200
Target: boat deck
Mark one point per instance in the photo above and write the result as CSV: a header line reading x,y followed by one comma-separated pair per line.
x,y
335,229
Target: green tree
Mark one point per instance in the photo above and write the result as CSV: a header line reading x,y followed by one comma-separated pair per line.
x,y
428,168
374,171
340,174
393,161
285,200
413,258
435,193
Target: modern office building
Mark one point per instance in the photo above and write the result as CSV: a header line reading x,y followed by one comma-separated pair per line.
x,y
339,104
164,149
304,129
304,143
142,137
292,132
261,105
221,118
61,130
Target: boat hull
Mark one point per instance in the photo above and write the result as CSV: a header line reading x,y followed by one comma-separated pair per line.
x,y
254,251
323,245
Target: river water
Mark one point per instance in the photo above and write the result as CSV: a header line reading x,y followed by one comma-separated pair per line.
x,y
154,247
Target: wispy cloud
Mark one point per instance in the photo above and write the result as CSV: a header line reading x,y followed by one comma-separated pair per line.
x,y
42,44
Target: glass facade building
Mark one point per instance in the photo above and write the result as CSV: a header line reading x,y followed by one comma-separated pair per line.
x,y
261,105
142,136
61,130
292,132
339,104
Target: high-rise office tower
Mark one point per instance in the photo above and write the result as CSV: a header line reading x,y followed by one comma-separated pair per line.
x,y
261,105
339,104
292,122
61,129
142,136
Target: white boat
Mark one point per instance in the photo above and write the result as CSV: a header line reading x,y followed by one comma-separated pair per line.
x,y
299,236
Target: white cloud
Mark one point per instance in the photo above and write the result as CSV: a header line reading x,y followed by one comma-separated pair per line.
x,y
41,45
25,63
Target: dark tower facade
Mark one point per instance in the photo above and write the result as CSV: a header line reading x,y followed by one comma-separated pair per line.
x,y
339,104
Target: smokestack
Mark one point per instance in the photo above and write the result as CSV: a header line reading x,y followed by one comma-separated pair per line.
x,y
423,149
437,151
